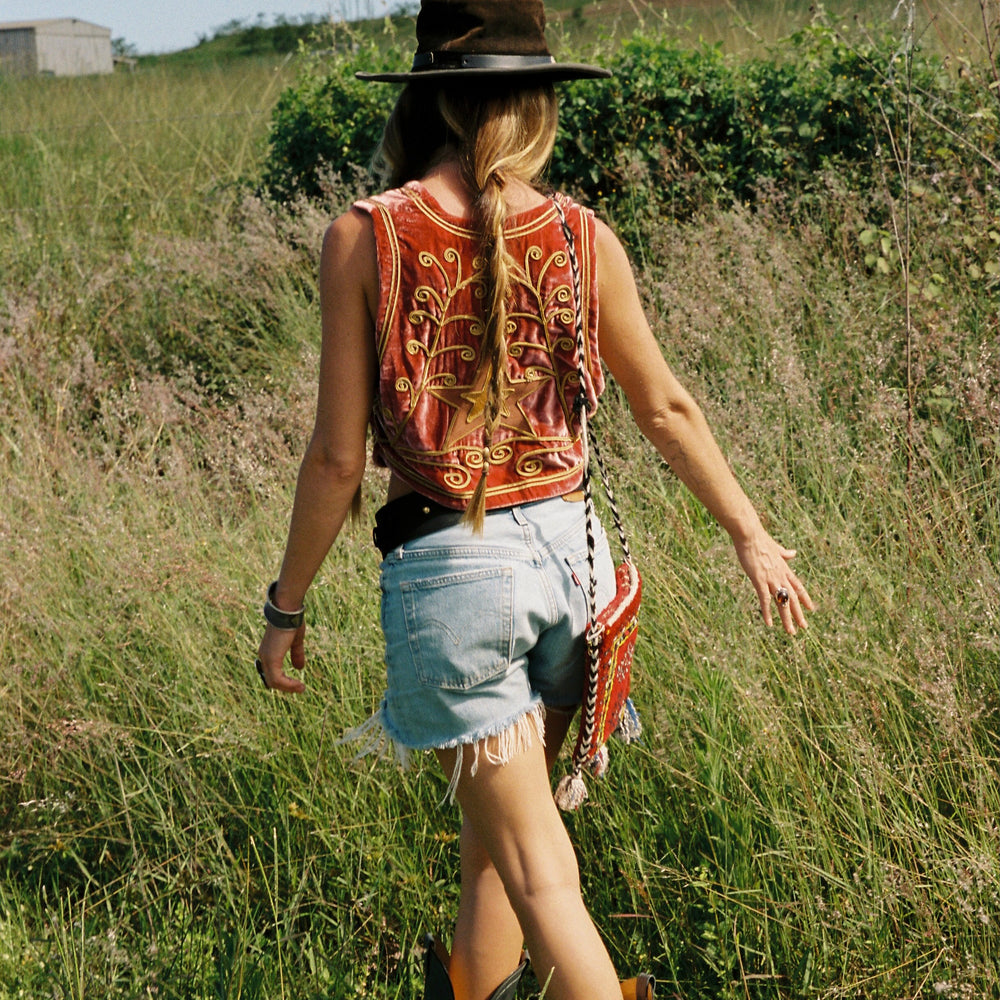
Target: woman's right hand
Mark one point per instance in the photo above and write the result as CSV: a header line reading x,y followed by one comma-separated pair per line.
x,y
276,644
334,462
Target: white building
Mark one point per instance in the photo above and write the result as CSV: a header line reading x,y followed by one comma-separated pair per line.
x,y
60,46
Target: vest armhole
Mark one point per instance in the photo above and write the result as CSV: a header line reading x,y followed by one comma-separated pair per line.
x,y
388,260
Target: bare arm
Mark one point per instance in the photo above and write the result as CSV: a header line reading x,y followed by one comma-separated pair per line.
x,y
672,421
334,462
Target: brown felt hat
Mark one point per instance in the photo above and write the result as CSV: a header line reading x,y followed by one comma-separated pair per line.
x,y
484,38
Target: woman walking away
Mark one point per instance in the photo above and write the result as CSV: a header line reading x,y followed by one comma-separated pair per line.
x,y
449,313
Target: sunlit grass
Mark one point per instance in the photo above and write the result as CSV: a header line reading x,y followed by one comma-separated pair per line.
x,y
162,148
751,27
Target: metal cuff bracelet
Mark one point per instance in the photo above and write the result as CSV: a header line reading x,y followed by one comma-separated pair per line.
x,y
286,621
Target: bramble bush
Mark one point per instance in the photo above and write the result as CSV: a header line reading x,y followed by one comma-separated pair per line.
x,y
700,126
327,122
678,126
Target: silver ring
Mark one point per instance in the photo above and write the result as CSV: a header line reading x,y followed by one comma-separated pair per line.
x,y
781,596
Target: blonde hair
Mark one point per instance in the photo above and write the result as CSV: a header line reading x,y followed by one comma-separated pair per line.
x,y
495,133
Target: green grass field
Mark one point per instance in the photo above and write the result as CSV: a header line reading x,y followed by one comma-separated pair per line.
x,y
809,817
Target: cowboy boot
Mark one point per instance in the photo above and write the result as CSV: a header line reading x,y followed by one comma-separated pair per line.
x,y
437,983
508,988
641,988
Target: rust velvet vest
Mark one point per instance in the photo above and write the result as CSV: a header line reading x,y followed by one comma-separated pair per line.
x,y
428,415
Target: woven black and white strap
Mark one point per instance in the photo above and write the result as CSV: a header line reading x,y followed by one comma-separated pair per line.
x,y
571,790
580,406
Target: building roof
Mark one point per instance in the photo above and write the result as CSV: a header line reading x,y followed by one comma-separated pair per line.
x,y
48,22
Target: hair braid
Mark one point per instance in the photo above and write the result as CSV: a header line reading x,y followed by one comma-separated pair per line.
x,y
496,133
489,211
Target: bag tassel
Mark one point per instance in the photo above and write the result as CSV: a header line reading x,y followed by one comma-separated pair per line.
x,y
630,725
598,764
571,792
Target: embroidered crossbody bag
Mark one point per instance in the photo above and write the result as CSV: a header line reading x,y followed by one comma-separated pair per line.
x,y
606,708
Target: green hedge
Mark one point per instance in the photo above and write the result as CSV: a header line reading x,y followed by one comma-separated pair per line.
x,y
327,121
678,126
698,124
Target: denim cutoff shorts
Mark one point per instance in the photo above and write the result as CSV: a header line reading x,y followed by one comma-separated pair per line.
x,y
482,629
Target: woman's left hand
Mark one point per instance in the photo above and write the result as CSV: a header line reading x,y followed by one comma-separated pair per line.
x,y
765,562
271,658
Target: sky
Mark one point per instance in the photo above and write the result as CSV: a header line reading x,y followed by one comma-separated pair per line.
x,y
167,25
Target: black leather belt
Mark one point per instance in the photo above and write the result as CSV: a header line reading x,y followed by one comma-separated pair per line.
x,y
407,517
412,516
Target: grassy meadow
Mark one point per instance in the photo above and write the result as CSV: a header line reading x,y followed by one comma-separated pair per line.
x,y
813,816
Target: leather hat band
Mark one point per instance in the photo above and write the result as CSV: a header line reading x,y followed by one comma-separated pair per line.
x,y
459,60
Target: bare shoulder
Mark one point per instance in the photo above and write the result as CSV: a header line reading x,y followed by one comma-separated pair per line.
x,y
614,270
350,235
605,235
349,258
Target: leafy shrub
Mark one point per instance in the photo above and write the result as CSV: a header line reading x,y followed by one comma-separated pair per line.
x,y
694,125
327,122
676,126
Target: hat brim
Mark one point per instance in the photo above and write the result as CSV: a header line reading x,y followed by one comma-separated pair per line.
x,y
554,72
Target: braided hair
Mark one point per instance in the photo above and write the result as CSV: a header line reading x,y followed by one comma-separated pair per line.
x,y
495,133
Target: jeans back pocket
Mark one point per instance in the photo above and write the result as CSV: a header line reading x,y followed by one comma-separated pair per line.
x,y
459,626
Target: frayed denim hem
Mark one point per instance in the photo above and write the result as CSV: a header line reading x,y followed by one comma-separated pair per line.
x,y
499,746
374,738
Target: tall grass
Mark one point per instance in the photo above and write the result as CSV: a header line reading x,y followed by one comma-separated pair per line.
x,y
95,157
750,27
809,817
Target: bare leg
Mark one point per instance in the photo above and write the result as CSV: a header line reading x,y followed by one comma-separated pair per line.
x,y
488,938
510,811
